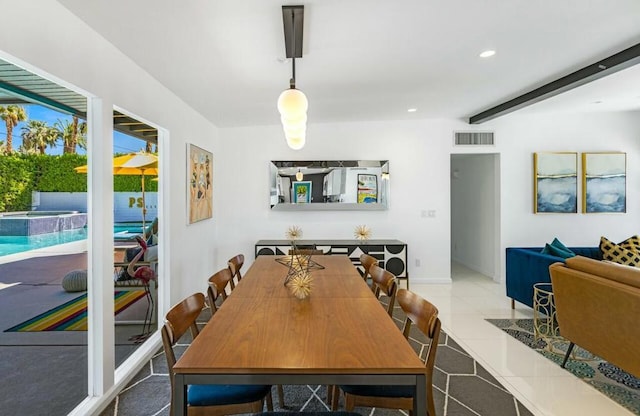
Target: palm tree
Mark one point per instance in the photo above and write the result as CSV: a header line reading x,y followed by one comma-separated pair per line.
x,y
73,134
38,135
12,115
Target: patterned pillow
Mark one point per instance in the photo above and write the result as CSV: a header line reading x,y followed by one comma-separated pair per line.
x,y
617,253
631,243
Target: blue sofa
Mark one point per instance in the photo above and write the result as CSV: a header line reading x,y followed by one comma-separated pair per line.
x,y
527,265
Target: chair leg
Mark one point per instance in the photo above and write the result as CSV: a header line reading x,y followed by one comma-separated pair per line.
x,y
335,396
513,304
349,402
280,396
566,356
329,393
269,402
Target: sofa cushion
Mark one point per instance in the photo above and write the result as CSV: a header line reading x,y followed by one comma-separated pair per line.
x,y
617,253
556,248
631,243
555,251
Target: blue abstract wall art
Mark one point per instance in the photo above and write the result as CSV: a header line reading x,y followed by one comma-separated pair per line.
x,y
604,182
555,182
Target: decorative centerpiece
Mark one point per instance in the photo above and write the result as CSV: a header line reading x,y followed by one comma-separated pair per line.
x,y
362,233
300,284
300,265
294,233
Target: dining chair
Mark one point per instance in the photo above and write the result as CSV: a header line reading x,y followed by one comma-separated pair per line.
x,y
218,283
208,399
424,315
367,261
235,264
384,282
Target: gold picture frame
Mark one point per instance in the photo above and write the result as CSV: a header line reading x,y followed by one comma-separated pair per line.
x,y
555,182
200,184
604,182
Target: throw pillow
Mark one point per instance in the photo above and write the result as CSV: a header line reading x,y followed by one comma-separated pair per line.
x,y
556,248
616,253
631,243
558,252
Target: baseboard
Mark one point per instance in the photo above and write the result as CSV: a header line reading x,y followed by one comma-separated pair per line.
x,y
429,281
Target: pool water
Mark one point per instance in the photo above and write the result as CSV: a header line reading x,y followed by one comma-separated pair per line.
x,y
18,243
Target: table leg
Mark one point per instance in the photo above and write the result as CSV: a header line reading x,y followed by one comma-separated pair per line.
x,y
179,395
420,400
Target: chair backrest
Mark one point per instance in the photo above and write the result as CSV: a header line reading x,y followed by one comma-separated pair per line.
x,y
424,315
180,318
217,285
367,261
306,252
235,264
385,282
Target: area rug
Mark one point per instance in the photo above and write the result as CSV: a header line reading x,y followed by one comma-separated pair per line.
x,y
461,386
72,315
615,383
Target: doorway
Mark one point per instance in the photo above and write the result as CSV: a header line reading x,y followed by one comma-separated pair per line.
x,y
475,213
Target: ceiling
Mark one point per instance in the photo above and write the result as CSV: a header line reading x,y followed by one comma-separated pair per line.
x,y
19,86
372,59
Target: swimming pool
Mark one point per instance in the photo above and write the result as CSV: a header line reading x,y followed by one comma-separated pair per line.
x,y
13,244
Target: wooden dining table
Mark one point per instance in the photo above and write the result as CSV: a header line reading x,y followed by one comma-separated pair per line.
x,y
262,334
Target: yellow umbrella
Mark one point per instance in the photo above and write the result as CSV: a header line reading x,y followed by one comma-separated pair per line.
x,y
140,163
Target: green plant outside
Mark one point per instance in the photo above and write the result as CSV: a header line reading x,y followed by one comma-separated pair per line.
x,y
20,174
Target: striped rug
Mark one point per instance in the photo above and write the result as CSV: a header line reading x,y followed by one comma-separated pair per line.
x,y
72,315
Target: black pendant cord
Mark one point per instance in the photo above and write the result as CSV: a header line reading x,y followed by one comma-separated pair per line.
x,y
292,81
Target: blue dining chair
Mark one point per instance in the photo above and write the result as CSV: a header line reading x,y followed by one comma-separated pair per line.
x,y
424,315
208,398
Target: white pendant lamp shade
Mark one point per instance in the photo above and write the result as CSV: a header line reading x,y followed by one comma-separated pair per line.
x,y
299,175
293,105
296,143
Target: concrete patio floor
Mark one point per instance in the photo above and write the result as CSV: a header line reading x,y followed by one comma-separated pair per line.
x,y
46,372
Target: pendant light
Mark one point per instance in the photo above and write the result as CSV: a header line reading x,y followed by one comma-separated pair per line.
x,y
292,103
299,176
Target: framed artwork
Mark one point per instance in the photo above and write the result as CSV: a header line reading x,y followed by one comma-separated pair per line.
x,y
555,182
200,183
367,189
604,182
302,192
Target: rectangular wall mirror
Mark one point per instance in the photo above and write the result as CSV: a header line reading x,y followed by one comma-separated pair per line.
x,y
329,185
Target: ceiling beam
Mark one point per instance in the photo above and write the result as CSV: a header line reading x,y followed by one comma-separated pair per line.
x,y
607,66
40,99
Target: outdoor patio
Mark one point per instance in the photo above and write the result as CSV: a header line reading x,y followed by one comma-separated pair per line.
x,y
45,372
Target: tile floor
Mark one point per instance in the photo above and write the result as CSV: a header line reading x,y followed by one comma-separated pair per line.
x,y
542,386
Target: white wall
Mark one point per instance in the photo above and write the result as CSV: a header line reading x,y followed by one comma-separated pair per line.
x,y
53,40
416,168
520,136
473,212
419,154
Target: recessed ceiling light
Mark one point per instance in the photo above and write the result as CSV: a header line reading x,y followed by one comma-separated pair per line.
x,y
412,110
597,102
487,54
